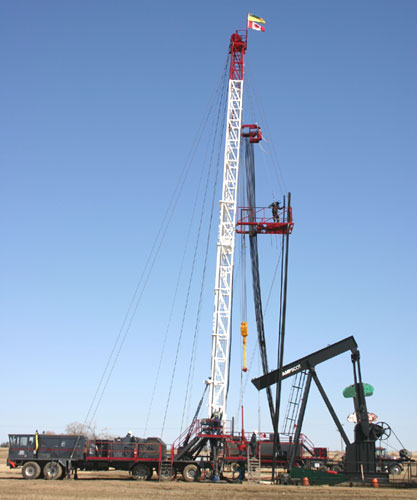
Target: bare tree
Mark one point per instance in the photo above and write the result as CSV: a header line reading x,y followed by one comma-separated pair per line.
x,y
105,434
88,431
83,429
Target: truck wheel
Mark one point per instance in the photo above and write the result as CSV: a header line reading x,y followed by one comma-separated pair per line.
x,y
141,472
234,468
191,473
31,470
337,468
165,475
395,469
52,471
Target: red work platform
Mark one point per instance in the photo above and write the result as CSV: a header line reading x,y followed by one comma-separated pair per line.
x,y
261,221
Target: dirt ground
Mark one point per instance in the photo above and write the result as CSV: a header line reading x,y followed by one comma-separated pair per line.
x,y
117,485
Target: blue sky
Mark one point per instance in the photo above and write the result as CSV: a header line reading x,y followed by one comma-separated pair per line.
x,y
101,102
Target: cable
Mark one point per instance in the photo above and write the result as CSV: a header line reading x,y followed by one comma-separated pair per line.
x,y
249,174
179,276
398,439
220,89
146,272
253,244
256,104
217,132
184,312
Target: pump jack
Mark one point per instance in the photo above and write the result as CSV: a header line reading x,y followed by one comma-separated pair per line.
x,y
360,455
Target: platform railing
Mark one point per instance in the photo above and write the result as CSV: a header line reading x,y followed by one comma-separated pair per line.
x,y
124,450
263,220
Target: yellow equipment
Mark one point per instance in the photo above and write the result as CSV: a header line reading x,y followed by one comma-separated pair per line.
x,y
244,333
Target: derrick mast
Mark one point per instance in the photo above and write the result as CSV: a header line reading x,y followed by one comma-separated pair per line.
x,y
223,287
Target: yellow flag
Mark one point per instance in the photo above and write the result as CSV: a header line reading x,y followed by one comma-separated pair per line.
x,y
255,19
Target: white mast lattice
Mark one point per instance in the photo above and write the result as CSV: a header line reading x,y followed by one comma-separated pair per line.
x,y
223,288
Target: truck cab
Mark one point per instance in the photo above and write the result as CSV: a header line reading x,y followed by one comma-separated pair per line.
x,y
44,455
387,463
21,447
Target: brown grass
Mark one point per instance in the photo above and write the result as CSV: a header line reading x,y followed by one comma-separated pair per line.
x,y
117,485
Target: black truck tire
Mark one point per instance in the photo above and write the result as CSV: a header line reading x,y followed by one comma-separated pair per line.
x,y
52,471
141,472
166,475
31,470
234,468
395,469
191,472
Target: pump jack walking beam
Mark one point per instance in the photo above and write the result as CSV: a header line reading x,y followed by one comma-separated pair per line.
x,y
306,363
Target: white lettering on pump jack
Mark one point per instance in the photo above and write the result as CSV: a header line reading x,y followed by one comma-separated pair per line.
x,y
293,369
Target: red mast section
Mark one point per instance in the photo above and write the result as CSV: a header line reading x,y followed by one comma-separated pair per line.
x,y
238,45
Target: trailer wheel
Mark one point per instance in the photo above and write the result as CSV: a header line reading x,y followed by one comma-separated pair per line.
x,y
191,473
141,472
395,469
337,468
31,470
52,471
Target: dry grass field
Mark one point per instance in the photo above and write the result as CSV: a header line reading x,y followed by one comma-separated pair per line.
x,y
117,485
